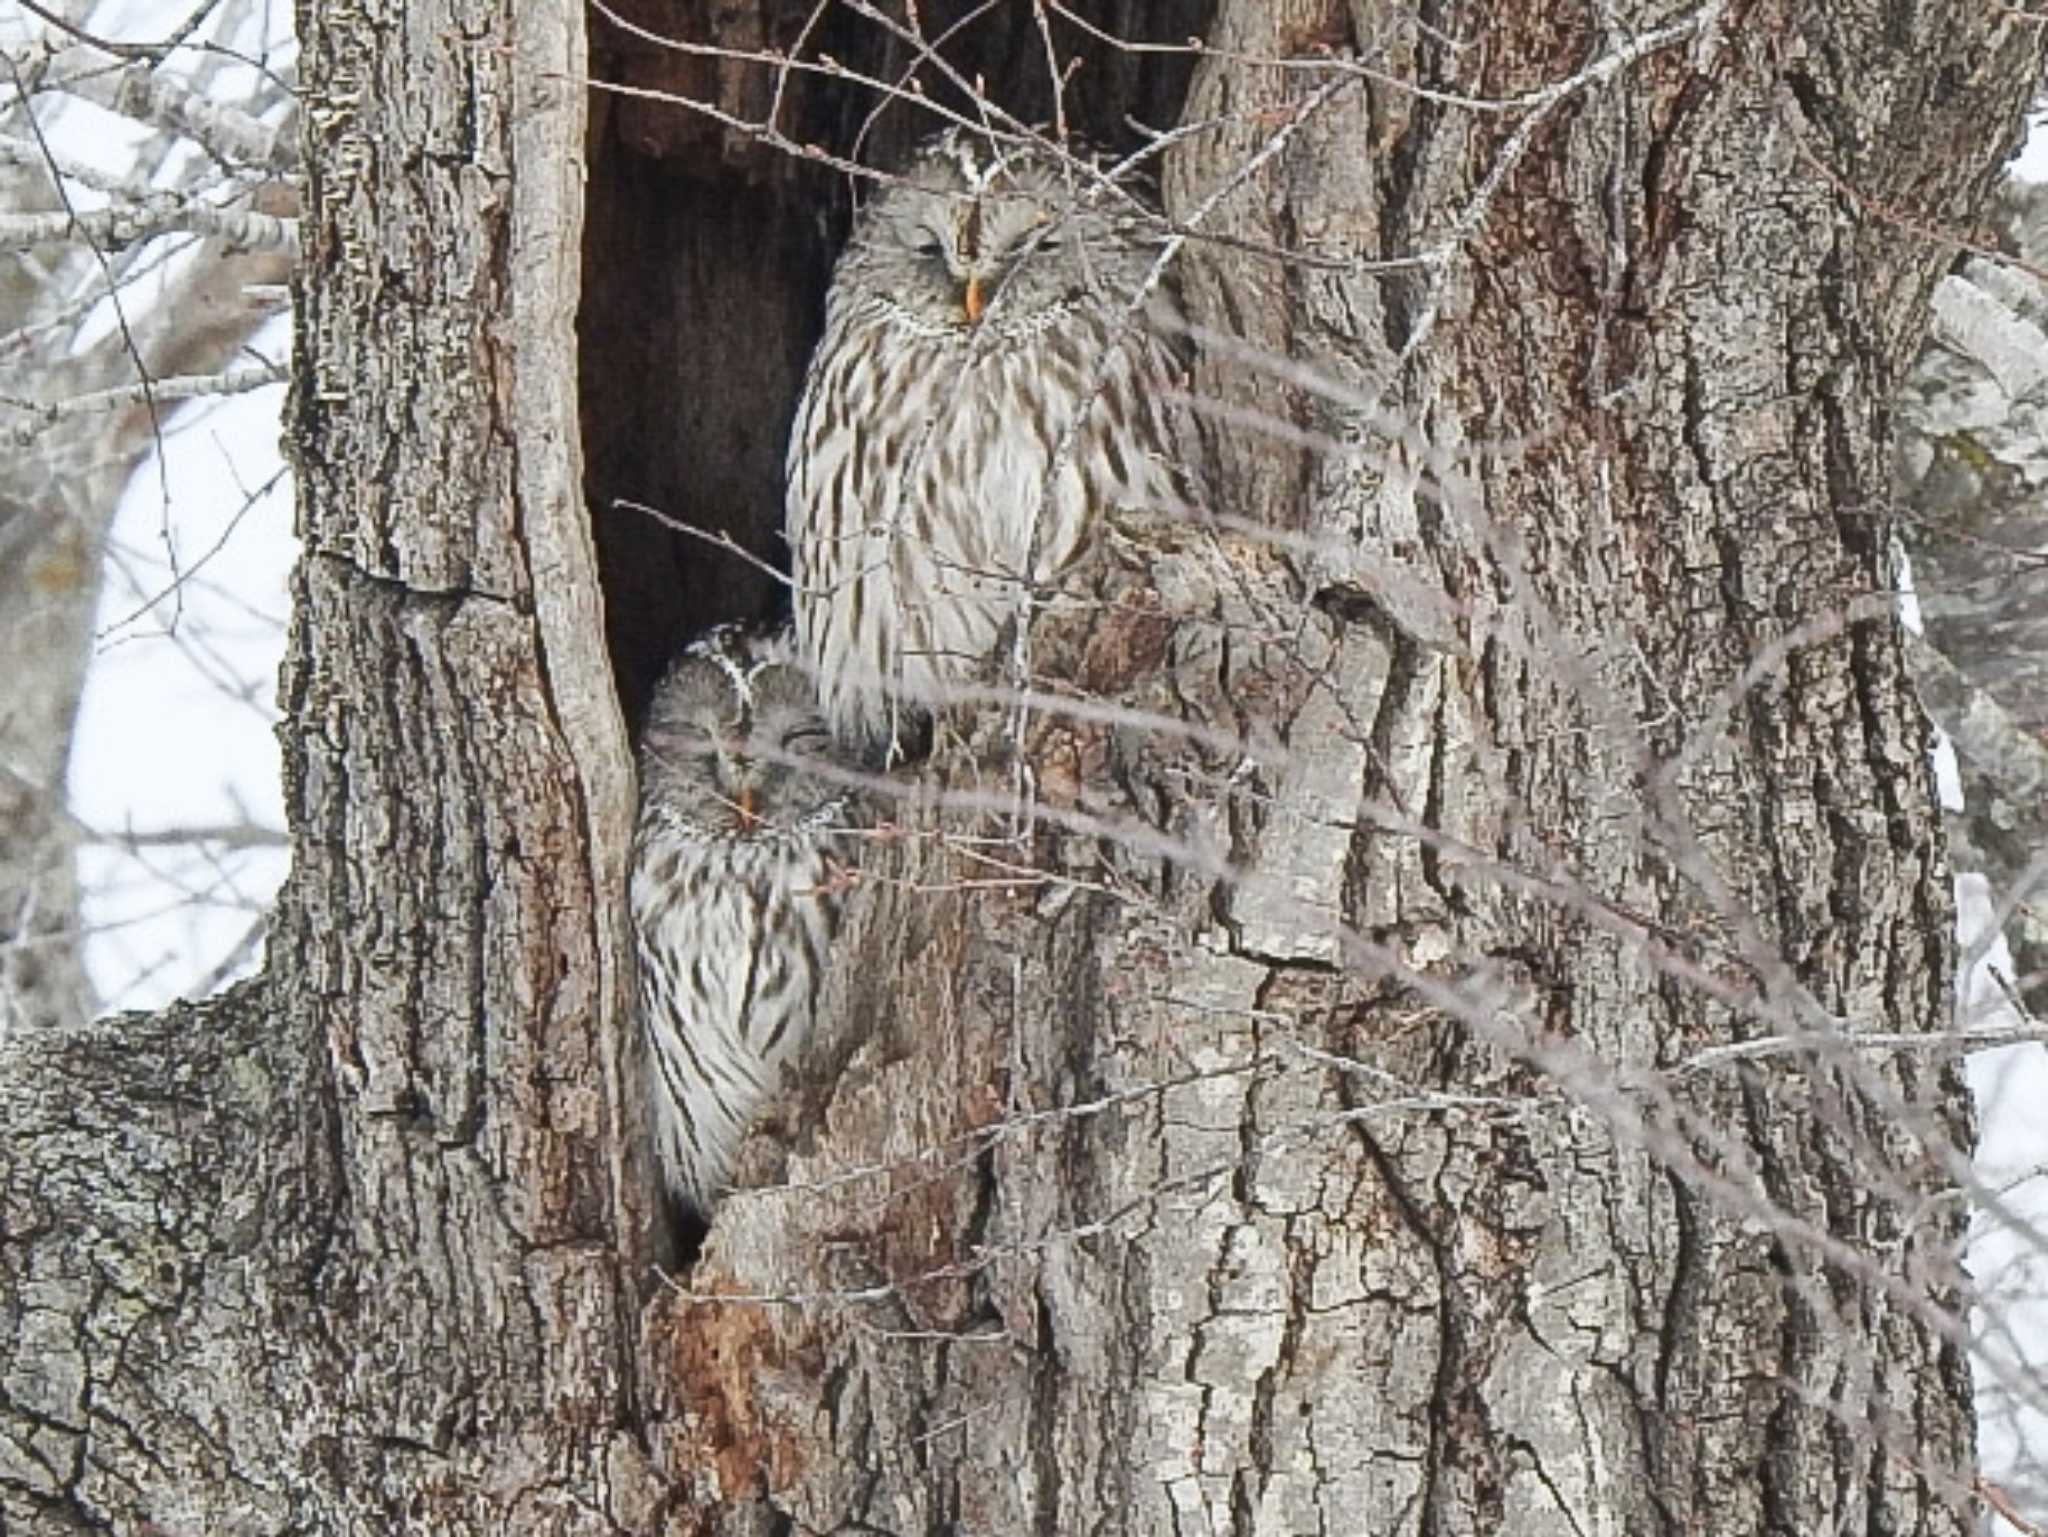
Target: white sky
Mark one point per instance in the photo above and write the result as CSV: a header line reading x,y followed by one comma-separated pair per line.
x,y
2032,161
176,728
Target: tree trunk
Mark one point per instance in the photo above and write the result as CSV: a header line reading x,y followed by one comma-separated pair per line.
x,y
351,1250
1325,1135
1346,1090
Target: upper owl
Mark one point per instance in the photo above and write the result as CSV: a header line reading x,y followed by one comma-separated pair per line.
x,y
979,233
998,375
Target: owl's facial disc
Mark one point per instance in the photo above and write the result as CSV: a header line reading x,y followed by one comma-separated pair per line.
x,y
990,234
736,779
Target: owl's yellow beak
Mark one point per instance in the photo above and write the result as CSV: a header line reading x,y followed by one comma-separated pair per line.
x,y
973,301
744,803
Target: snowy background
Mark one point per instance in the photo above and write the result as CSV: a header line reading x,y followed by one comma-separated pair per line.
x,y
175,765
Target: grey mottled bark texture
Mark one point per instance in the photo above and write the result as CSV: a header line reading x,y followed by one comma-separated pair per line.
x,y
1290,1129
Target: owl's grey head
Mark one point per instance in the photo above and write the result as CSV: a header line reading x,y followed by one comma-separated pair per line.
x,y
998,236
730,745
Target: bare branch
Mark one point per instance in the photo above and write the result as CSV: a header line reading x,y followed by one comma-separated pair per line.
x,y
234,381
114,228
231,136
152,52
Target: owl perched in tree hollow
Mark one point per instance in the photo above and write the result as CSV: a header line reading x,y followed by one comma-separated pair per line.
x,y
994,376
732,893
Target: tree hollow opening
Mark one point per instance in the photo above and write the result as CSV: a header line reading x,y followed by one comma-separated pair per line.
x,y
717,200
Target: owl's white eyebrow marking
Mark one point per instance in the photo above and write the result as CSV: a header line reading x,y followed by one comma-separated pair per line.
x,y
731,669
971,169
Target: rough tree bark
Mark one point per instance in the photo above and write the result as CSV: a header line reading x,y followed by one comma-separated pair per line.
x,y
337,1252
1307,1130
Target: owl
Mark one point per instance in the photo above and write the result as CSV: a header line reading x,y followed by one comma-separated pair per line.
x,y
995,375
732,893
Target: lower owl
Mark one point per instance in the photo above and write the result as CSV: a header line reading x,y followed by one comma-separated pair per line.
x,y
733,893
